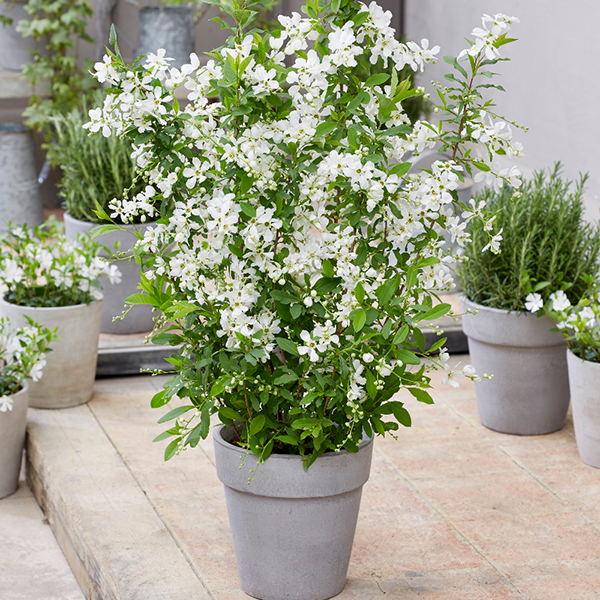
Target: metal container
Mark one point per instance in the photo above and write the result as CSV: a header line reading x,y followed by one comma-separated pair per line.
x,y
168,27
20,200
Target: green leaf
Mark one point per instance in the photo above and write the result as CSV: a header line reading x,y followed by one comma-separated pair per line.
x,y
287,377
139,299
229,414
371,387
421,395
248,209
162,436
436,312
359,292
102,229
171,449
408,357
283,297
401,335
401,170
419,339
386,291
397,409
377,79
159,399
328,269
325,129
175,413
257,424
296,310
360,319
386,329
287,345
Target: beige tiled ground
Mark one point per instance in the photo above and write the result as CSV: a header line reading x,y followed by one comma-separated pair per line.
x,y
452,510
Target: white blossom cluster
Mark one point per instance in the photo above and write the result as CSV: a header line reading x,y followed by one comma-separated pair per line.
x,y
21,357
37,259
231,246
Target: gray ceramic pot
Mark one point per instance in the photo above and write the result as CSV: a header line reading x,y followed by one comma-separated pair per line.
x,y
139,319
168,27
12,438
68,377
529,394
292,529
584,381
20,200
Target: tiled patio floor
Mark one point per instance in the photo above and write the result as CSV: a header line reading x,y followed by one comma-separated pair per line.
x,y
452,510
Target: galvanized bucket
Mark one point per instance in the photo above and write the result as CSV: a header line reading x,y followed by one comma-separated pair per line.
x,y
20,200
168,27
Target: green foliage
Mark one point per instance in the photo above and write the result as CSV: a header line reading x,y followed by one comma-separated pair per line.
x,y
95,169
545,239
56,26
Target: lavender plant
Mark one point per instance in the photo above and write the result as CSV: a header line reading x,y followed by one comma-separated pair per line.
x,y
308,260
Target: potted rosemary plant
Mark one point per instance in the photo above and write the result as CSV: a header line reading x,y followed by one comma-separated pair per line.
x,y
22,357
53,282
95,170
307,261
546,243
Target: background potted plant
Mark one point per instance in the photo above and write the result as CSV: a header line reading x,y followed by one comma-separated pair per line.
x,y
95,170
580,326
53,281
22,357
307,260
545,243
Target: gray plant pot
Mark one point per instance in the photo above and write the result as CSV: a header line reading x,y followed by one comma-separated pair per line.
x,y
12,437
140,318
292,529
68,377
168,27
584,382
529,394
20,200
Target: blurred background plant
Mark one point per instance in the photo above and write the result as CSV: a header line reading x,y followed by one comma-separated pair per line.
x,y
545,239
95,169
58,26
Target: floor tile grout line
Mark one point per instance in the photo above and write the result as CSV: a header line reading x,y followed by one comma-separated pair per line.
x,y
156,510
447,520
521,466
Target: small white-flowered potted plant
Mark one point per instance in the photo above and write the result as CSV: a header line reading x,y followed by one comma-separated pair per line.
x,y
580,326
22,357
54,281
296,257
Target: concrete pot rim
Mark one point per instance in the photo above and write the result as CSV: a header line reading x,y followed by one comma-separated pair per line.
x,y
128,226
593,364
171,9
499,311
218,438
23,390
49,309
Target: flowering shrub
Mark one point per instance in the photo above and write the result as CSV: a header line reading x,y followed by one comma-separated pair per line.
x,y
40,267
21,357
308,257
579,323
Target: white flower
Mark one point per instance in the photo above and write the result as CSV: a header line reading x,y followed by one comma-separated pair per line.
x,y
368,357
494,244
534,302
310,348
36,370
560,301
113,274
6,403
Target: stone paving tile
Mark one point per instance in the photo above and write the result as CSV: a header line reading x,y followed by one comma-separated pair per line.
x,y
452,510
566,580
32,566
